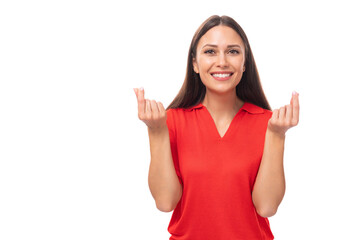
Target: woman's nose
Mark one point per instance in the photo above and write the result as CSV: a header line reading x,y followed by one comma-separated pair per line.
x,y
222,60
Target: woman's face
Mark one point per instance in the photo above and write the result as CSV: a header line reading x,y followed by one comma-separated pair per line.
x,y
220,59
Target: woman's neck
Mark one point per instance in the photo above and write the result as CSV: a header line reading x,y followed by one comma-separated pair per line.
x,y
222,104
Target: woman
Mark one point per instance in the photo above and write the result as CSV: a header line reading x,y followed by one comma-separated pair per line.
x,y
217,151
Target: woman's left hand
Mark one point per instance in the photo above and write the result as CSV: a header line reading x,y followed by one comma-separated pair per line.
x,y
286,117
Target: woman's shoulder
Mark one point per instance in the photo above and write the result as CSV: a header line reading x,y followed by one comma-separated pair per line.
x,y
180,116
185,110
257,111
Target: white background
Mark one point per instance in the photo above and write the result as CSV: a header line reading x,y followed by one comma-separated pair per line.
x,y
74,157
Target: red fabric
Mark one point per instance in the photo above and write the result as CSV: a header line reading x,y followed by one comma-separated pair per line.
x,y
217,174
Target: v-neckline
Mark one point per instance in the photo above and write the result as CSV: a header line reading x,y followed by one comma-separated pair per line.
x,y
230,125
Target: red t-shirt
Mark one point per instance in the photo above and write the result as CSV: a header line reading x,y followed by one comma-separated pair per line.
x,y
217,174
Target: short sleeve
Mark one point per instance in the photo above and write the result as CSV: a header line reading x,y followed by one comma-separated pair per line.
x,y
171,124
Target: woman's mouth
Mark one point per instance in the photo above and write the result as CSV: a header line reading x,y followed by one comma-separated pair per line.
x,y
222,76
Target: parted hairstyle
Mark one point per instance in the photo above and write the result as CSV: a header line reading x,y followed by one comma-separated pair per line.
x,y
193,90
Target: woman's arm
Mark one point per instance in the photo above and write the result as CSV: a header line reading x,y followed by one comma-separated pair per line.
x,y
163,182
269,186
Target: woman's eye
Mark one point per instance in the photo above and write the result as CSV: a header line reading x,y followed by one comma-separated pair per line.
x,y
233,51
210,51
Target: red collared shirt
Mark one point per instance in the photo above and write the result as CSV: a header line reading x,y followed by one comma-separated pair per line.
x,y
217,174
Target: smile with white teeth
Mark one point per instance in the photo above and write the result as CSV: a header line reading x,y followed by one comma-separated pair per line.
x,y
221,75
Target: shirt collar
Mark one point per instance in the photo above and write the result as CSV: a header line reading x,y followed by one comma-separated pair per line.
x,y
249,107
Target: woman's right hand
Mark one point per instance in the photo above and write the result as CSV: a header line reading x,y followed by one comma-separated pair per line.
x,y
152,113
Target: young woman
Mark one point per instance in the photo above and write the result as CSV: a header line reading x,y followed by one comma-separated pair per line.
x,y
217,150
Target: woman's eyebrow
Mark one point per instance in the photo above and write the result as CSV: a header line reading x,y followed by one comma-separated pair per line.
x,y
215,46
235,45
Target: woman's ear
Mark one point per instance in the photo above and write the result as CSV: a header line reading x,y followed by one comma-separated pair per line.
x,y
195,66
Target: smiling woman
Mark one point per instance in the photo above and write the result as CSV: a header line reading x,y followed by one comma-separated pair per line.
x,y
217,150
210,46
220,60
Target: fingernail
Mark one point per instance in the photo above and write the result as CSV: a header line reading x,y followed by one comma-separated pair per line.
x,y
294,93
141,88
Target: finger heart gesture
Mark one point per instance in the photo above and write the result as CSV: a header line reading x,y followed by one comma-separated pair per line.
x,y
152,113
286,117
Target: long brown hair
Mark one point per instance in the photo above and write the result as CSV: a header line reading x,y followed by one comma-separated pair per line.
x,y
193,90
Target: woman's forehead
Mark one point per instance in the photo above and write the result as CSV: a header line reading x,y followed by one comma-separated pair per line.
x,y
220,36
